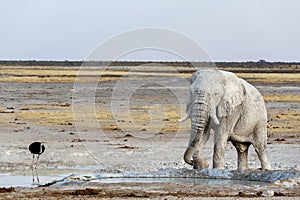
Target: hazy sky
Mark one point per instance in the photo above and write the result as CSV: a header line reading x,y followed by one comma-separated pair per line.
x,y
231,30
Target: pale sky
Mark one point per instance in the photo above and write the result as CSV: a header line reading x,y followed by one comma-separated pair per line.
x,y
231,30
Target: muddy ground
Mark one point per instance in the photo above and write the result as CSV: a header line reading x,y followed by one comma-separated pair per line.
x,y
123,119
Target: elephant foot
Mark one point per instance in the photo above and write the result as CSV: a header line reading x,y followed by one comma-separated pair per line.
x,y
200,163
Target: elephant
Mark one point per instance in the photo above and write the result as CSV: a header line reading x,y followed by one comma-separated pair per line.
x,y
231,107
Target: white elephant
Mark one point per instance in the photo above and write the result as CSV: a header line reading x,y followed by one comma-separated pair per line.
x,y
234,109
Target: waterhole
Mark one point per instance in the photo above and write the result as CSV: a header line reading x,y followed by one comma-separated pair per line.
x,y
180,176
194,181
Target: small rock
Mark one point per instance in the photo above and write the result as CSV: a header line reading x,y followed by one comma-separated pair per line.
x,y
288,184
268,193
125,147
291,182
128,135
116,129
65,105
277,182
280,139
4,190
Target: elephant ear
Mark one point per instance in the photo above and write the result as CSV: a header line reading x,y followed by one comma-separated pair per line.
x,y
234,95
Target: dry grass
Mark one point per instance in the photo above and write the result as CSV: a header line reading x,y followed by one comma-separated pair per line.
x,y
71,74
137,120
56,115
284,121
281,98
279,78
60,74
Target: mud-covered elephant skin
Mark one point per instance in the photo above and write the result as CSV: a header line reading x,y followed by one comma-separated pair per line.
x,y
234,109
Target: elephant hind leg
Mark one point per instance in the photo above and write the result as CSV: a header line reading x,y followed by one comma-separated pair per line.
x,y
261,151
260,146
242,151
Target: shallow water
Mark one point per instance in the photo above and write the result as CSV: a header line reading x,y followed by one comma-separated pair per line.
x,y
24,181
195,181
180,176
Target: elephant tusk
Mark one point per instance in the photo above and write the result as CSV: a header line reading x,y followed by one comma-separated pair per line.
x,y
215,119
214,116
185,117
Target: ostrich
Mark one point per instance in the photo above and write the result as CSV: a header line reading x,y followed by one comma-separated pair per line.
x,y
36,148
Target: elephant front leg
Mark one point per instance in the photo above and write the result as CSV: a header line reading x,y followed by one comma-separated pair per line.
x,y
219,152
198,161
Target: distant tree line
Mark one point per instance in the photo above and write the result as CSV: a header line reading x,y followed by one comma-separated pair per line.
x,y
250,64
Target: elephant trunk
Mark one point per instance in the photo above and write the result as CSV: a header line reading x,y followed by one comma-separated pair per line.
x,y
188,155
199,115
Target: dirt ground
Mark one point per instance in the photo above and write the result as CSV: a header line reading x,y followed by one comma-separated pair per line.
x,y
121,119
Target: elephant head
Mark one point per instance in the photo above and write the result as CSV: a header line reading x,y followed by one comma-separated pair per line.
x,y
213,94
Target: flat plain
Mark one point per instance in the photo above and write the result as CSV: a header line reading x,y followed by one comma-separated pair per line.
x,y
125,118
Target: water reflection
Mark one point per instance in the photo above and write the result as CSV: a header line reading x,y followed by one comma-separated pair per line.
x,y
24,181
